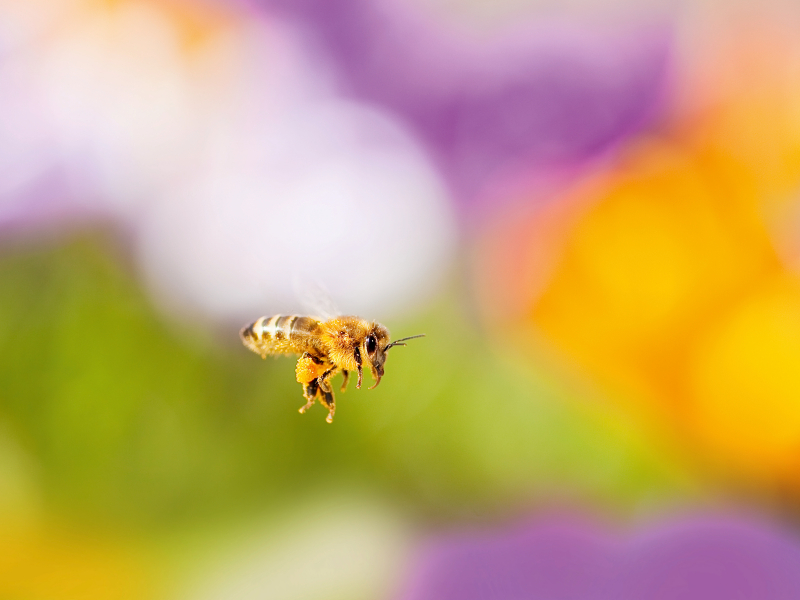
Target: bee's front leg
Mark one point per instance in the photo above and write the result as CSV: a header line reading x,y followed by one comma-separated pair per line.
x,y
345,378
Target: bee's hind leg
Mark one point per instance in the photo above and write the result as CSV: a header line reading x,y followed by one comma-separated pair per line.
x,y
327,400
326,393
310,391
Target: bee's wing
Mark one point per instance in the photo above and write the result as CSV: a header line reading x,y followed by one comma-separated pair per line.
x,y
315,298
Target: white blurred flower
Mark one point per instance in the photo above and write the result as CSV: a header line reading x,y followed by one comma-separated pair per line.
x,y
342,549
23,22
294,181
119,94
233,162
26,151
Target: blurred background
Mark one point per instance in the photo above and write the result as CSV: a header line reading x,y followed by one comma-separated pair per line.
x,y
591,209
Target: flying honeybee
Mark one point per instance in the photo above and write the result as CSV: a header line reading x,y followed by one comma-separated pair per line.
x,y
326,347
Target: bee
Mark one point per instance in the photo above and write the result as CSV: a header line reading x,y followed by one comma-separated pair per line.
x,y
326,347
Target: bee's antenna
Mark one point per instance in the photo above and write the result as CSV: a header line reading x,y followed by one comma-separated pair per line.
x,y
401,340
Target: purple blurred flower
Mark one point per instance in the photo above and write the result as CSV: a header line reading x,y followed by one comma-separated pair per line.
x,y
699,559
543,95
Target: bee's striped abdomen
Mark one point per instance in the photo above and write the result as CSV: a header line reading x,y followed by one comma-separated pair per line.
x,y
275,328
279,334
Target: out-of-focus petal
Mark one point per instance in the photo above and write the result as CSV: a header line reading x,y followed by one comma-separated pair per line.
x,y
543,93
292,182
693,559
670,275
221,146
340,548
551,560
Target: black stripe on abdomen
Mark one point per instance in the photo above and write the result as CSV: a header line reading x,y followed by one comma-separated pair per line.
x,y
283,327
304,326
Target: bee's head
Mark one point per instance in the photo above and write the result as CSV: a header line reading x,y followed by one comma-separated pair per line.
x,y
375,346
374,350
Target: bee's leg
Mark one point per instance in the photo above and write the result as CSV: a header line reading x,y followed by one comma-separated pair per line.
x,y
327,399
345,377
313,373
310,391
322,380
357,356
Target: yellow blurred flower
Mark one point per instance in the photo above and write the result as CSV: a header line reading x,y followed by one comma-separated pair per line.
x,y
744,380
38,561
669,276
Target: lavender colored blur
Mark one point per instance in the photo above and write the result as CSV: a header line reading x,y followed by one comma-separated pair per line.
x,y
698,559
541,96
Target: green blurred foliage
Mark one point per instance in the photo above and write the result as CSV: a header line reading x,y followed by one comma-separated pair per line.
x,y
135,419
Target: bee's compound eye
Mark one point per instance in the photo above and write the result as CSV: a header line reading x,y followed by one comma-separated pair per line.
x,y
372,343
